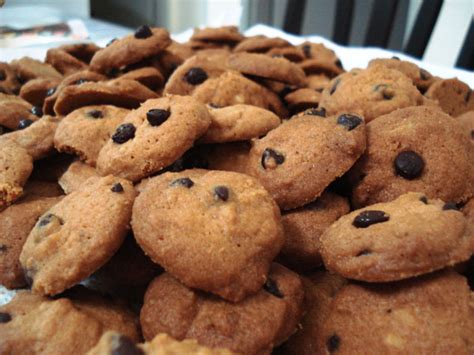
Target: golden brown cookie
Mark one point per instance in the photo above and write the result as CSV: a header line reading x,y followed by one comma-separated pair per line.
x,y
71,58
260,44
36,90
13,109
75,175
453,96
9,83
27,68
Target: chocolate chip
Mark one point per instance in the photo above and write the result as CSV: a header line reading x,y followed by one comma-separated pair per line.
x,y
186,182
5,317
221,193
80,81
367,218
333,342
124,133
395,57
271,158
37,111
214,105
50,92
385,90
472,134
409,165
424,74
451,206
95,114
195,76
338,64
3,75
334,87
349,121
271,287
125,346
307,50
321,112
157,116
117,187
468,95
110,42
46,219
25,122
143,32
364,252
424,200
3,247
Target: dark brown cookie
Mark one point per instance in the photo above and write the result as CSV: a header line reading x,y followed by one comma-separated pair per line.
x,y
252,326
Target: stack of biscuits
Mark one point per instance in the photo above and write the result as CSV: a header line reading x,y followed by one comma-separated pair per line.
x,y
233,195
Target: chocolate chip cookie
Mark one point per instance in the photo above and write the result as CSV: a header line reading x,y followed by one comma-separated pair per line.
x,y
453,96
61,250
27,68
36,90
13,110
213,230
76,174
71,58
9,83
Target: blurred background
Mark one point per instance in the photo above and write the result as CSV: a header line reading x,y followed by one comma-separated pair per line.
x,y
434,30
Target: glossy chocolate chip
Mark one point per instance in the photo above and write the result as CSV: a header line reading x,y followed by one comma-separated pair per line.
x,y
424,200
409,165
50,92
195,76
364,252
334,87
25,122
157,116
124,133
37,111
5,317
117,187
307,50
349,121
271,158
221,193
367,218
271,287
125,346
333,343
143,32
450,206
95,114
321,112
3,75
424,74
186,182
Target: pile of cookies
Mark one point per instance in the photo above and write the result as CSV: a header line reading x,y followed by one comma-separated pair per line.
x,y
233,194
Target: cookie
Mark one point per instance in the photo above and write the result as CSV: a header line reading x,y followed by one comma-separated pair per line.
x,y
13,109
238,122
153,136
274,68
119,92
260,44
195,71
148,76
318,51
62,249
146,42
421,78
453,96
75,175
414,149
172,57
35,91
302,99
303,228
162,344
36,138
298,160
213,230
17,221
15,168
33,324
225,34
232,88
320,60
183,313
292,53
71,58
390,241
317,82
28,68
371,93
86,130
9,83
427,315
320,287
